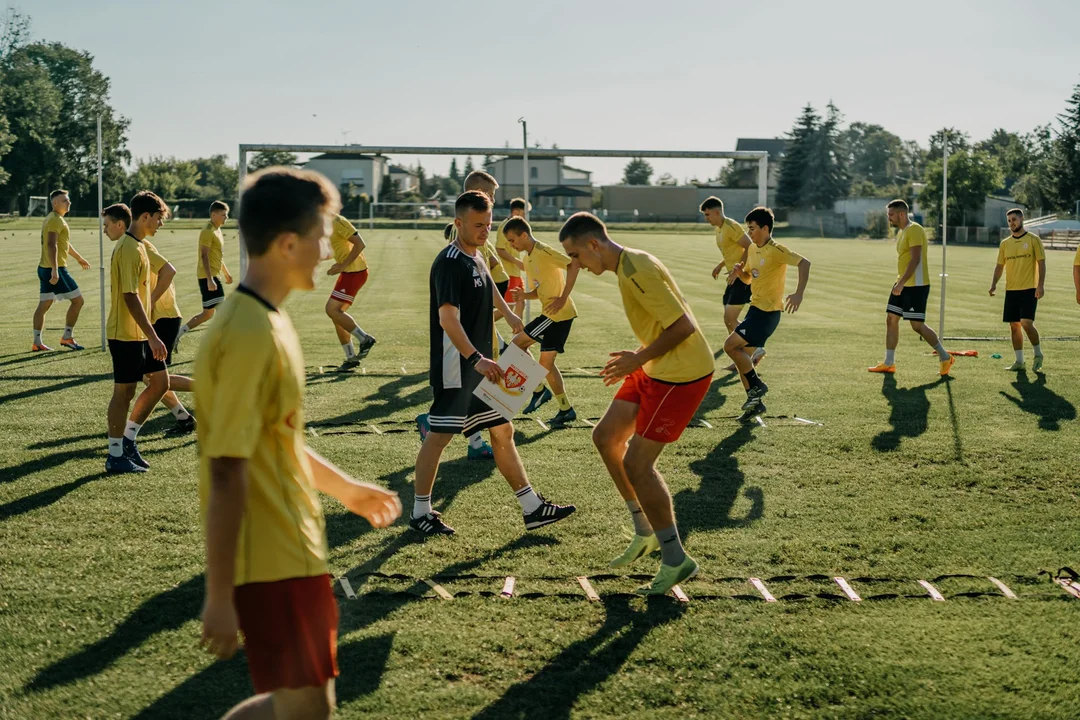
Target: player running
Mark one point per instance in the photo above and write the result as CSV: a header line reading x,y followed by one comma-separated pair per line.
x,y
734,244
351,267
54,280
211,267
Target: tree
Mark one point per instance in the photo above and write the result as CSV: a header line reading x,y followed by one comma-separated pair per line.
x,y
449,186
217,179
454,174
958,142
1064,164
1037,189
487,162
793,173
826,179
874,154
973,174
1012,153
14,31
170,178
271,158
468,166
637,172
421,179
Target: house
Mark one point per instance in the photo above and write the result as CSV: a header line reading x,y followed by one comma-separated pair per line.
x,y
407,180
552,183
358,171
677,203
746,171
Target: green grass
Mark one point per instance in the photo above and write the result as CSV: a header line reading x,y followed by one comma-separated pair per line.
x,y
100,584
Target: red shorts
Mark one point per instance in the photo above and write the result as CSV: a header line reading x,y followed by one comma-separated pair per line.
x,y
664,409
290,632
347,285
515,282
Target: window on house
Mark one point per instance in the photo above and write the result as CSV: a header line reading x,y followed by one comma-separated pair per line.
x,y
534,173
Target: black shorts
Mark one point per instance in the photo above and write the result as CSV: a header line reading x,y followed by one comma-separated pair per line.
x,y
167,329
758,326
910,304
502,286
737,293
457,410
551,334
211,299
131,360
1019,305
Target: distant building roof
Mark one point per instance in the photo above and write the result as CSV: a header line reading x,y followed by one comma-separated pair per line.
x,y
776,147
398,170
563,191
567,167
344,156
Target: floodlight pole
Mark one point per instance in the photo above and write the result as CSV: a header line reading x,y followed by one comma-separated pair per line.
x,y
944,227
101,239
241,175
525,162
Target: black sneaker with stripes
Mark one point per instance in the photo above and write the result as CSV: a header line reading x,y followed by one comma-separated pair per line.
x,y
430,524
547,513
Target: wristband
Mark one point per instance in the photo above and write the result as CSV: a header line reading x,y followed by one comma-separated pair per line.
x,y
475,358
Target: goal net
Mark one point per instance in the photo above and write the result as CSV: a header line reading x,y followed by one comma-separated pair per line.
x,y
38,205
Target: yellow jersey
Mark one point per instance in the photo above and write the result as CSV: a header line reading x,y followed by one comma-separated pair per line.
x,y
55,223
166,306
129,272
498,272
727,239
547,267
211,238
1020,256
768,271
1076,257
249,388
342,246
910,237
653,302
503,243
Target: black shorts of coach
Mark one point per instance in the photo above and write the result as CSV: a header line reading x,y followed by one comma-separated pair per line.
x,y
211,298
551,334
457,410
910,304
758,326
131,360
1019,305
167,329
737,293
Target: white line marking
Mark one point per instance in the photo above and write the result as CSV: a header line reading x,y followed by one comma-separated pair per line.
x,y
588,422
705,423
808,422
541,423
756,582
937,596
848,590
347,587
1003,588
376,429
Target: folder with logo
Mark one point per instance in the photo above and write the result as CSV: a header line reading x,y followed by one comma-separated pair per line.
x,y
521,375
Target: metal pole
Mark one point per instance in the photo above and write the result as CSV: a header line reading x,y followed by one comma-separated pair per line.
x,y
101,238
525,183
371,214
944,228
763,181
242,172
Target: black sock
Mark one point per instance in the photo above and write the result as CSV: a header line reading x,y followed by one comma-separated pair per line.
x,y
752,378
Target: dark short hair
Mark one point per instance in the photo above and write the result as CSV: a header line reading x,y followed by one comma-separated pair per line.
x,y
477,178
581,226
761,216
219,205
471,200
279,200
448,231
518,226
120,212
56,193
146,202
517,204
1015,211
899,204
712,202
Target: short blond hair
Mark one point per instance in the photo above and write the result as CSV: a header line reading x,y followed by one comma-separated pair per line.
x,y
481,181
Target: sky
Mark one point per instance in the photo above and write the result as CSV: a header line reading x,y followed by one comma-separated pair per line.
x,y
200,77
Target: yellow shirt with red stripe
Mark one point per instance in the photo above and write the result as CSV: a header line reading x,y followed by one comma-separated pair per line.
x,y
653,302
547,267
54,223
249,388
166,306
339,241
912,236
727,239
1021,256
503,243
210,238
129,273
768,266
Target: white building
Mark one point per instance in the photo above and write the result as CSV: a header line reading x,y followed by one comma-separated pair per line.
x,y
552,183
407,180
365,173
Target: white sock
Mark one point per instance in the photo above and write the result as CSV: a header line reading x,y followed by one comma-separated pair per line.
x,y
131,430
1038,350
350,351
359,334
421,505
68,330
37,338
942,353
476,441
180,413
890,356
641,523
529,499
116,447
1019,355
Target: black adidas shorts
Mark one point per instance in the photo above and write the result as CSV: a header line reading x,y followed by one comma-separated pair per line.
x,y
551,334
910,304
211,298
737,293
758,326
167,329
131,360
1019,305
457,410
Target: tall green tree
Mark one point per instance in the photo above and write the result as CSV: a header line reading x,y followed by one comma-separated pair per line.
x,y
14,32
1064,164
958,142
468,166
455,174
797,160
1037,189
271,158
827,178
874,154
218,178
1012,152
637,172
170,178
973,174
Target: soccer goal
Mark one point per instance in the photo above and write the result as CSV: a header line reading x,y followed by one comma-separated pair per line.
x,y
37,203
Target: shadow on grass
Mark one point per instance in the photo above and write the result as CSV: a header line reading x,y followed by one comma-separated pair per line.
x,y
53,383
1042,402
709,507
390,398
910,409
586,664
11,473
44,498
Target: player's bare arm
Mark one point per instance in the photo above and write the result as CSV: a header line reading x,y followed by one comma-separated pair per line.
x,y
624,362
138,314
377,505
794,300
451,325
225,512
164,280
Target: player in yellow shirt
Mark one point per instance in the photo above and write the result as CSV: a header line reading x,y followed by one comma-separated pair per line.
x,y
511,259
137,351
663,384
351,267
733,243
766,271
1076,274
54,280
553,275
1022,258
266,550
210,268
910,292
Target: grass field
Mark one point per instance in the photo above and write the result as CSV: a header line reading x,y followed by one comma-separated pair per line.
x,y
908,478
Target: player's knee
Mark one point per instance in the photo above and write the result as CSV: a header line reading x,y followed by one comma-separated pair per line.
x,y
732,343
917,327
603,438
208,313
637,465
77,302
1027,324
125,393
313,703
